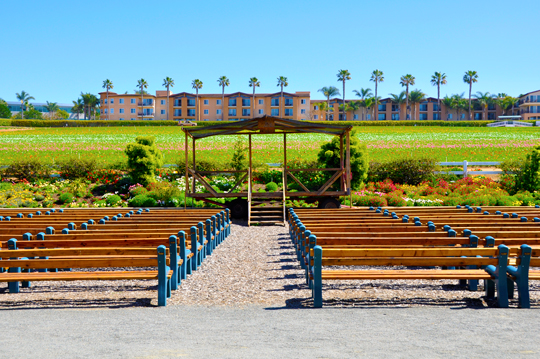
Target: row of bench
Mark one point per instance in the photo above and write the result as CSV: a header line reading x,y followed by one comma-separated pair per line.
x,y
115,246
478,243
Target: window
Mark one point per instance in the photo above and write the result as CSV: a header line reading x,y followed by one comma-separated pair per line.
x,y
132,100
261,112
449,116
382,117
315,108
121,101
132,119
121,110
105,101
491,107
178,102
112,111
232,102
436,116
491,116
288,102
382,107
355,117
104,110
206,112
162,112
132,110
462,116
191,112
315,117
423,117
261,102
232,111
112,100
395,117
368,116
275,112
246,102
478,116
288,112
303,111
274,102
435,107
423,107
303,101
121,119
246,112
191,102
218,112
218,102
395,108
163,102
206,102
342,117
178,112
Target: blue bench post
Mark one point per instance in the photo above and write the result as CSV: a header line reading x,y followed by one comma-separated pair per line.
x,y
499,279
173,251
200,233
185,269
312,243
222,226
218,228
163,284
215,241
300,241
194,248
520,275
304,240
317,277
210,245
13,287
228,214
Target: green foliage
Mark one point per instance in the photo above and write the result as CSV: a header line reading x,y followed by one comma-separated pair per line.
x,y
142,200
62,114
143,159
30,114
202,165
271,187
97,123
113,200
79,187
73,167
163,191
4,110
138,190
528,179
313,180
268,175
329,157
66,198
29,169
239,157
404,171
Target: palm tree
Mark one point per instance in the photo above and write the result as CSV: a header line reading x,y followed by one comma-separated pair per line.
x,y
322,107
78,107
416,97
108,85
343,75
168,83
363,94
254,82
24,97
51,107
369,103
459,103
283,82
142,84
398,99
484,100
376,76
448,104
352,106
197,85
470,77
407,80
438,79
329,91
223,81
93,105
87,100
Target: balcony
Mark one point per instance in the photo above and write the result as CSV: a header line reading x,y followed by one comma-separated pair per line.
x,y
145,104
144,114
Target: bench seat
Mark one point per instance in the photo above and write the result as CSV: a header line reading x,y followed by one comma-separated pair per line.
x,y
73,276
429,274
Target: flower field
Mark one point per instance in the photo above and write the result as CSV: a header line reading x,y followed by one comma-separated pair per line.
x,y
384,143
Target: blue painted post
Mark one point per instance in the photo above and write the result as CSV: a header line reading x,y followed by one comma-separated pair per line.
x,y
194,249
184,252
486,213
416,219
213,218
30,215
502,284
106,218
478,209
20,215
8,218
147,209
91,221
498,213
431,227
523,219
473,241
536,219
162,275
446,228
521,273
451,233
466,232
418,224
300,242
210,245
119,215
84,226
53,210
218,227
371,208
228,213
514,215
200,233
405,219
65,231
312,243
49,230
128,215
223,225
317,277
48,213
470,210
490,241
27,236
41,237
173,252
458,206
72,226
114,218
102,221
38,213
506,215
61,210
378,210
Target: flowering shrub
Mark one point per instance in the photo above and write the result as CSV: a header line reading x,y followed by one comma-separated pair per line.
x,y
105,176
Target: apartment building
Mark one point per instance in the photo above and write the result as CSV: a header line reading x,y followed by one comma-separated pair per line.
x,y
389,110
210,107
529,106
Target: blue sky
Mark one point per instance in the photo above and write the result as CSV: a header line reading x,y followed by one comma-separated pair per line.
x,y
56,49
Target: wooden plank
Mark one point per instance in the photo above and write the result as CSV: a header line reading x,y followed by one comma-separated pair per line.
x,y
408,261
81,263
329,182
297,181
203,182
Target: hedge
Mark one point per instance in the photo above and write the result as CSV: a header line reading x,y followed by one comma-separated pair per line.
x,y
104,123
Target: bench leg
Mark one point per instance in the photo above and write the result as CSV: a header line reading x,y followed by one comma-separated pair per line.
x,y
189,265
489,286
510,284
472,283
169,288
317,278
13,287
523,293
502,291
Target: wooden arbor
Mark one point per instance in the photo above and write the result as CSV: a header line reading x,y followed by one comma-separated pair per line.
x,y
269,125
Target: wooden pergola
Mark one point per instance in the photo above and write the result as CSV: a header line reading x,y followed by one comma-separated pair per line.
x,y
268,125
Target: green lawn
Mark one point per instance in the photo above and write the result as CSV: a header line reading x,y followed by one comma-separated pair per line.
x,y
107,143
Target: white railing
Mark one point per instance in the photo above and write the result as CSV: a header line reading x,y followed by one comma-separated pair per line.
x,y
510,124
466,165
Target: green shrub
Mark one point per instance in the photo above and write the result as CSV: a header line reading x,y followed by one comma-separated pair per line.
x,y
239,158
202,165
162,191
113,200
66,198
143,159
138,190
39,197
79,187
268,175
77,167
404,171
528,179
329,157
271,187
4,186
142,200
30,169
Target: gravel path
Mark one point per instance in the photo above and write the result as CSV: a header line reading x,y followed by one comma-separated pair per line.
x,y
254,266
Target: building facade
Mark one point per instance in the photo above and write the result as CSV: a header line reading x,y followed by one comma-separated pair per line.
x,y
529,106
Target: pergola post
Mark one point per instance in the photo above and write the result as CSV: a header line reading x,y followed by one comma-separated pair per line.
x,y
186,187
194,168
341,161
348,171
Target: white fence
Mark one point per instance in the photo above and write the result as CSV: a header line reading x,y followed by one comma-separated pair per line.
x,y
510,124
466,165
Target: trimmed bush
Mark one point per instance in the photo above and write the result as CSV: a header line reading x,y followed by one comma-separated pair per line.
x,y
113,200
142,200
66,198
77,167
143,159
271,187
404,171
30,169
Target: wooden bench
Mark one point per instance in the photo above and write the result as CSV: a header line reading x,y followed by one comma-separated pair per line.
x,y
521,274
494,260
99,258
